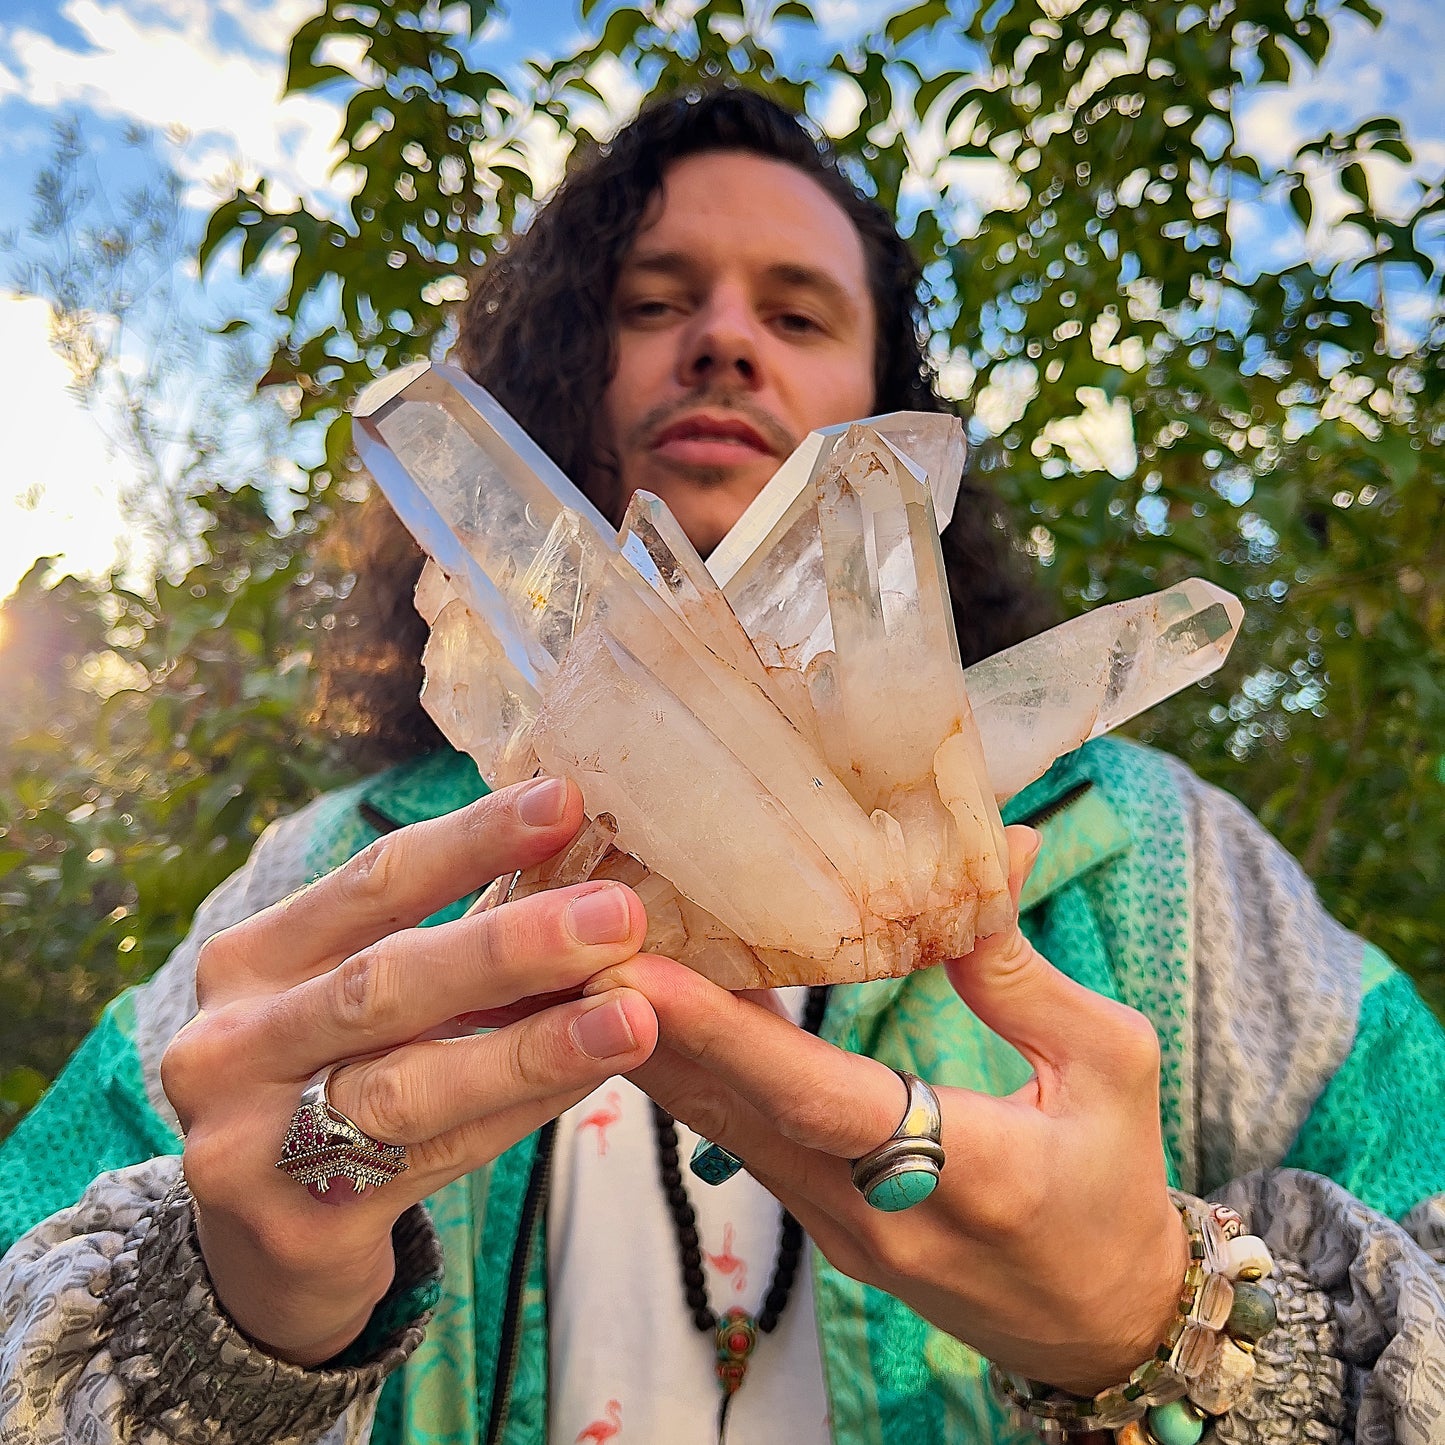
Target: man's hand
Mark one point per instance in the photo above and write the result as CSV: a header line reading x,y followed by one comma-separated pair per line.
x,y
339,971
1050,1244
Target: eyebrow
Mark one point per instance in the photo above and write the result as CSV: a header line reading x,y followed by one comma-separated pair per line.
x,y
793,274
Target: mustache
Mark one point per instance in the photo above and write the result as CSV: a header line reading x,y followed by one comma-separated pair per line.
x,y
715,398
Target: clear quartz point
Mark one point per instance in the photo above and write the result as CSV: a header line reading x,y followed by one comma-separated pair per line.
x,y
771,563
776,748
1044,697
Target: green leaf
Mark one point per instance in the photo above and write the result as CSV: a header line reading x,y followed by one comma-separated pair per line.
x,y
1352,178
622,29
915,18
1397,456
1364,8
1274,59
1301,202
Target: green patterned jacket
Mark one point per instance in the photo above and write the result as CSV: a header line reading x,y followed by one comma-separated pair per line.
x,y
1302,1079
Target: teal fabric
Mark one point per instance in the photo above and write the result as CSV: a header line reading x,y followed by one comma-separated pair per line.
x,y
1376,1128
94,1117
1107,904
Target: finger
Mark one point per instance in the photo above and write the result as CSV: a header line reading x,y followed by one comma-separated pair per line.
x,y
812,1093
408,983
394,883
983,1139
445,1097
1022,997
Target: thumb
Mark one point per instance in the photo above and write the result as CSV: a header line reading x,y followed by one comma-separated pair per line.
x,y
1013,988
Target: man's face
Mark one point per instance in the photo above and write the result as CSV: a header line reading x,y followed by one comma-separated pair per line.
x,y
743,321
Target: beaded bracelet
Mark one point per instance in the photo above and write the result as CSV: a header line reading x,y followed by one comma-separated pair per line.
x,y
1203,1366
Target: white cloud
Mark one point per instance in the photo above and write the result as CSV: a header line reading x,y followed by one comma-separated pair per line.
x,y
1366,73
168,68
267,24
1100,438
61,492
849,19
1006,397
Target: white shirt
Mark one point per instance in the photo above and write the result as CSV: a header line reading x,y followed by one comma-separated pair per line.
x,y
628,1364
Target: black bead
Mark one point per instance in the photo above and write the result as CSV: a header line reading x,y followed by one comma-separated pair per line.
x,y
684,1217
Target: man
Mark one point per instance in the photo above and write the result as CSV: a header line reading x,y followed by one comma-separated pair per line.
x,y
724,290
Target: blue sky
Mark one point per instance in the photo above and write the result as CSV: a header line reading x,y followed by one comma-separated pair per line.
x,y
211,71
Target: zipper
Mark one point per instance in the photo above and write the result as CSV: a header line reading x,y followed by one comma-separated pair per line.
x,y
375,818
509,1346
1064,800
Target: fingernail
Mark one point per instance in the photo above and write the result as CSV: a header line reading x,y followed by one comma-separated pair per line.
x,y
1038,843
543,804
600,917
603,1032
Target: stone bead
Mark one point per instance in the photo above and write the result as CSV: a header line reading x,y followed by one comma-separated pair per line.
x,y
1224,1379
903,1191
1229,1222
1192,1352
1171,1385
1213,1302
1177,1423
1133,1433
712,1163
1247,1258
1253,1315
1114,1409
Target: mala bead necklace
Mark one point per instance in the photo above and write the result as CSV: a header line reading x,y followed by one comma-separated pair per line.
x,y
735,1331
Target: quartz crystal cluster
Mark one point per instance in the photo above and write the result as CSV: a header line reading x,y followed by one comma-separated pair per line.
x,y
778,748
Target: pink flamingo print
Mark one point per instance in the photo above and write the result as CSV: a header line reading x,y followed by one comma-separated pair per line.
x,y
729,1263
602,1430
602,1119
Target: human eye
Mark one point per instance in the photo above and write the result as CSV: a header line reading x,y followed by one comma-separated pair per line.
x,y
648,309
798,323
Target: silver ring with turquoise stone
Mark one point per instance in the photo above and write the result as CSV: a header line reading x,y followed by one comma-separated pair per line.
x,y
903,1170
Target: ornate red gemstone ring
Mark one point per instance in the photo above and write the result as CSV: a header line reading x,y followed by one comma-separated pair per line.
x,y
322,1144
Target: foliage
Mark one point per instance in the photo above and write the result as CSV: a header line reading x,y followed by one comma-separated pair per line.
x,y
149,729
1153,393
1075,180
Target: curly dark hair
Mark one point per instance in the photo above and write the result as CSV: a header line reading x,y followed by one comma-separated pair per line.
x,y
537,333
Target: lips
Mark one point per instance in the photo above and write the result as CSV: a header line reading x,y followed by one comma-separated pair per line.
x,y
711,440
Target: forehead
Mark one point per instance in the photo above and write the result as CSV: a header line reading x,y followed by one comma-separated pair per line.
x,y
736,209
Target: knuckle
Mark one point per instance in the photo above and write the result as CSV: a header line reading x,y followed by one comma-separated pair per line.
x,y
540,1058
217,960
512,940
847,1251
705,1115
389,1108
205,1049
499,942
1010,1211
1137,1047
210,1164
807,1118
876,1251
362,987
369,879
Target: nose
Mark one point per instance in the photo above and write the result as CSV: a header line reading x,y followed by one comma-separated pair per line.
x,y
720,347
